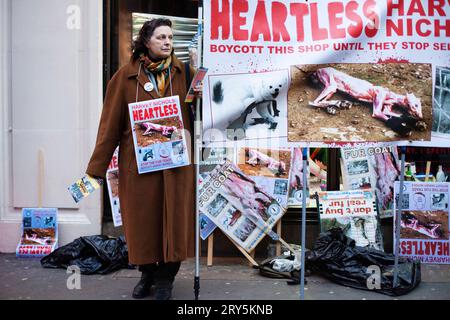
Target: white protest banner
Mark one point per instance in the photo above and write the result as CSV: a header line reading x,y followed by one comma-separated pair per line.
x,y
238,206
358,71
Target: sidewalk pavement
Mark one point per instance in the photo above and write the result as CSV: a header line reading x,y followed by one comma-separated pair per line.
x,y
227,279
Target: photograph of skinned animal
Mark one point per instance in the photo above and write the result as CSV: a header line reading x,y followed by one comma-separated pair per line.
x,y
360,102
424,225
158,131
262,162
251,196
42,236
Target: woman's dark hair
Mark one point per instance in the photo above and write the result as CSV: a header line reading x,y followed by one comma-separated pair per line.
x,y
146,33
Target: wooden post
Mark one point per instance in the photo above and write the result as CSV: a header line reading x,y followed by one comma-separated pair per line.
x,y
278,245
209,259
252,254
427,170
248,256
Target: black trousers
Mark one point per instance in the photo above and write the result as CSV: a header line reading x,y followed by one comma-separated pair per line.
x,y
162,272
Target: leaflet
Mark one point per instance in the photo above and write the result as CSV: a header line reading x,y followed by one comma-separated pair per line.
x,y
84,187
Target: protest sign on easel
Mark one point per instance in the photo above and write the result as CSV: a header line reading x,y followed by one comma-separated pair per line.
x,y
355,212
210,253
268,169
241,209
271,169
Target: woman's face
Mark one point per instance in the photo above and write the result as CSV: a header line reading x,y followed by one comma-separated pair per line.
x,y
160,44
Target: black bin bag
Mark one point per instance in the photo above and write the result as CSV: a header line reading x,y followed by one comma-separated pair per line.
x,y
336,257
92,254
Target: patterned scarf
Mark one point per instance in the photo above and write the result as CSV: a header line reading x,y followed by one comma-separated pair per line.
x,y
159,69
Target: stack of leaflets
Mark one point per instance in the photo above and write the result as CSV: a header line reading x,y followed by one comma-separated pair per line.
x,y
39,232
158,134
84,187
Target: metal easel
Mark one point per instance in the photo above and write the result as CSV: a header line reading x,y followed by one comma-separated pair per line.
x,y
303,245
398,215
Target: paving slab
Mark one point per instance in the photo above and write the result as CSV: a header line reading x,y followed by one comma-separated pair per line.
x,y
227,279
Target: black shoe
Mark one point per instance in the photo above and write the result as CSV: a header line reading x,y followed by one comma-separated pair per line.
x,y
142,289
163,292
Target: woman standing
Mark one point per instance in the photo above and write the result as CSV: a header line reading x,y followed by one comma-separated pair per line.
x,y
157,208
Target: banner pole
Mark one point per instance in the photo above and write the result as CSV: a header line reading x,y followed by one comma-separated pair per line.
x,y
303,235
398,215
197,146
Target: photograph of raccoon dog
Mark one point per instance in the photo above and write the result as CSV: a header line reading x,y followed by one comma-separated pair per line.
x,y
248,105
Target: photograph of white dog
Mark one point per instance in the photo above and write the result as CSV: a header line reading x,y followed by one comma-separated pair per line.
x,y
248,105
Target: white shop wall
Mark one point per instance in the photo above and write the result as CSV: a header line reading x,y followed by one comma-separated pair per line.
x,y
54,105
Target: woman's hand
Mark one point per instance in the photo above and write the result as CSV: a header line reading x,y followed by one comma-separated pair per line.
x,y
198,89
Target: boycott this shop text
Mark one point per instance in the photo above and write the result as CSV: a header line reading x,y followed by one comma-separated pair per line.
x,y
231,17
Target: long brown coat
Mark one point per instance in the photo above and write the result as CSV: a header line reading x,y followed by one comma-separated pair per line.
x,y
157,208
